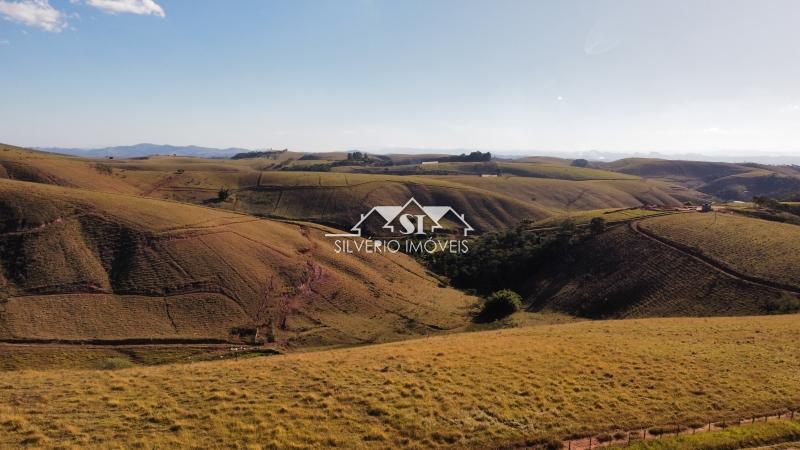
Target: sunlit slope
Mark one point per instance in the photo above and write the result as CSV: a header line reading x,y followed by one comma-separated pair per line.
x,y
258,186
662,168
622,274
521,169
475,390
765,249
566,196
39,167
341,198
79,265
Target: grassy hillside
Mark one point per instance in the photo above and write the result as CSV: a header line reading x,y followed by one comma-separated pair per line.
x,y
340,199
723,180
754,183
520,169
78,265
623,274
765,249
39,167
662,168
457,391
610,215
261,187
568,196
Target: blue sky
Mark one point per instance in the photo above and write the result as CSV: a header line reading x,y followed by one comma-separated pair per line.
x,y
718,77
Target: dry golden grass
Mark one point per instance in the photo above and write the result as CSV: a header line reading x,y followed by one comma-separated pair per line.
x,y
611,216
562,196
540,169
81,265
765,249
466,390
538,191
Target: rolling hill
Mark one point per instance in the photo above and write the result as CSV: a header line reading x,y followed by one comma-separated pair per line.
x,y
77,265
725,181
259,186
623,273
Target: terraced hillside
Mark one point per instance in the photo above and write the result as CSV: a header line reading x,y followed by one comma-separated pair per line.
x,y
764,249
623,274
81,265
475,390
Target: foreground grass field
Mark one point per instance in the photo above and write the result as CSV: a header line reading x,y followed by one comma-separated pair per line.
x,y
468,390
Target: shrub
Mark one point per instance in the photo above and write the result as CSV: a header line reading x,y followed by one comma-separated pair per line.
x,y
104,168
604,437
597,225
223,194
115,363
544,443
500,304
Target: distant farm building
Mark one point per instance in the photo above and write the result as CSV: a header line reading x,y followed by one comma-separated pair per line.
x,y
425,163
706,207
489,175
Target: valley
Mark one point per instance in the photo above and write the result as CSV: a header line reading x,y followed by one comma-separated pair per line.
x,y
145,271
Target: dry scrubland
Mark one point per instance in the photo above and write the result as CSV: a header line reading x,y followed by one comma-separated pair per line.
x,y
137,268
765,249
466,390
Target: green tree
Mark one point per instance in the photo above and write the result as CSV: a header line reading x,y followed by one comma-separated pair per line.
x,y
500,304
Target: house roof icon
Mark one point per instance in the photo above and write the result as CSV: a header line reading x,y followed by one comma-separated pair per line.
x,y
390,213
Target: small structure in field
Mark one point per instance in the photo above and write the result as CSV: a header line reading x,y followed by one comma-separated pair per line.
x,y
705,207
426,163
489,175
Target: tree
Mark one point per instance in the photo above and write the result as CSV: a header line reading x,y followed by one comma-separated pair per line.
x,y
580,162
500,304
597,225
223,194
356,156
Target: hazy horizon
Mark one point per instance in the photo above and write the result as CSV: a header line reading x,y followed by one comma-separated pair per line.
x,y
716,78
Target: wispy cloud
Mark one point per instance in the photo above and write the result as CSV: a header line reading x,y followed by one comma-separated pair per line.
x,y
4,42
35,13
144,7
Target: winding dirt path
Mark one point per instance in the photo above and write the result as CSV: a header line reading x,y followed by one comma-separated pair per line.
x,y
711,262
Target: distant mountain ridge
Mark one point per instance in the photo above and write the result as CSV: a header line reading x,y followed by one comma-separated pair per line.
x,y
147,149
